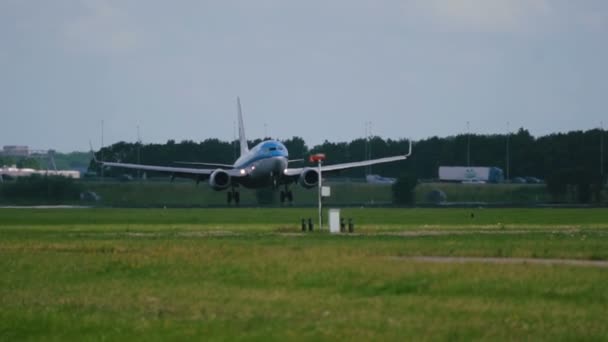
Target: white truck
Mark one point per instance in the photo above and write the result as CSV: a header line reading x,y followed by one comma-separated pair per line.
x,y
473,174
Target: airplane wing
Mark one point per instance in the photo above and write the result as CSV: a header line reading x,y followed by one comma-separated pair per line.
x,y
182,171
170,169
343,166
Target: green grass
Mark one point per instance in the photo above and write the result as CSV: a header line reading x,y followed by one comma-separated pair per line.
x,y
489,193
187,194
269,219
180,194
248,274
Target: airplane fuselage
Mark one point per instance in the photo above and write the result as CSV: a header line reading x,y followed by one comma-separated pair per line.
x,y
263,165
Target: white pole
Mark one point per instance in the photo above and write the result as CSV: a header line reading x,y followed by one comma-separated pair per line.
x,y
320,197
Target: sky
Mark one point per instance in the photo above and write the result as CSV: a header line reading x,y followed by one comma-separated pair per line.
x,y
318,69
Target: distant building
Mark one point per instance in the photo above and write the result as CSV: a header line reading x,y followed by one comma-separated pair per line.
x,y
13,172
15,151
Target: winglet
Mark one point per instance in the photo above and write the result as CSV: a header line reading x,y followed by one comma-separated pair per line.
x,y
410,151
242,138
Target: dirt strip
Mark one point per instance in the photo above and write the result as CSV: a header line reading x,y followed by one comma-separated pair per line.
x,y
531,261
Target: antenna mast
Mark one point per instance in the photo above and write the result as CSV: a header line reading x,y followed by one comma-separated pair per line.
x,y
138,152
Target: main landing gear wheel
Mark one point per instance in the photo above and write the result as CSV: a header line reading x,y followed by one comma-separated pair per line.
x,y
286,195
290,196
233,196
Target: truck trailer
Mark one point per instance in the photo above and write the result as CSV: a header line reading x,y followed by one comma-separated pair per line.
x,y
472,174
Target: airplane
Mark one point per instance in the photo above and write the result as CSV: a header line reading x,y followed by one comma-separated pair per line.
x,y
264,165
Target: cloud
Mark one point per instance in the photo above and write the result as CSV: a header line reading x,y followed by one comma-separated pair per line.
x,y
102,27
483,15
595,20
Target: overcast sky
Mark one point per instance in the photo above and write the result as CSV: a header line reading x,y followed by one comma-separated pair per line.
x,y
318,69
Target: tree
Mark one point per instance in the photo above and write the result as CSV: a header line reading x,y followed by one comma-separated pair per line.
x,y
297,147
557,184
403,189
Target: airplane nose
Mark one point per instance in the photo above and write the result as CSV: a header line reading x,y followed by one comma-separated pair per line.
x,y
280,165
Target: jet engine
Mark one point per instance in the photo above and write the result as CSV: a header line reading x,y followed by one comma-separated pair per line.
x,y
219,180
308,178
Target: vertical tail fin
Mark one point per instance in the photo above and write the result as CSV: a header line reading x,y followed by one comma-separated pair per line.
x,y
242,138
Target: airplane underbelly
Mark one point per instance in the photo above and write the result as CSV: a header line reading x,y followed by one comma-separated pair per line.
x,y
265,173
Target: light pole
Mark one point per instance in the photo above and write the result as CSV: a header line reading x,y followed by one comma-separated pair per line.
x,y
101,150
369,150
508,159
138,153
602,151
318,158
468,146
320,195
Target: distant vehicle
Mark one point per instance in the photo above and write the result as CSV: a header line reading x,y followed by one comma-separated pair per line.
x,y
532,180
473,181
518,180
377,179
266,164
478,175
125,178
90,196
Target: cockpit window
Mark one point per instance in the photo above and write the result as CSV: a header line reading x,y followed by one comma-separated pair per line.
x,y
273,148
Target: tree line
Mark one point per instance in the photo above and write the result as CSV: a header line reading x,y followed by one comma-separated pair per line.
x,y
562,159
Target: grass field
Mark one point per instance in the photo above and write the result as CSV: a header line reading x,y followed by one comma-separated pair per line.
x,y
523,194
158,194
186,194
249,274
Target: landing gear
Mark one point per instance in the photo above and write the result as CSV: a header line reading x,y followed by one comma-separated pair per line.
x,y
233,195
286,195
